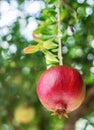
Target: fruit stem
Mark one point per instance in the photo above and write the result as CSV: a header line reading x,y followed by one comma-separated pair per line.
x,y
59,35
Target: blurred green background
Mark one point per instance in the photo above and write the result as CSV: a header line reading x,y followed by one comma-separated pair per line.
x,y
20,108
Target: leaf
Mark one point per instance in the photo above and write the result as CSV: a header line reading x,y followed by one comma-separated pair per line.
x,y
49,45
63,14
36,35
55,50
32,49
50,58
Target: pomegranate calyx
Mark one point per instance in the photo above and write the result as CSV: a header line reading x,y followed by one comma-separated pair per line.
x,y
60,113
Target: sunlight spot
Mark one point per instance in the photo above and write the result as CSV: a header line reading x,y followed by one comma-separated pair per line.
x,y
79,52
80,124
4,55
92,43
81,11
78,67
6,127
32,24
90,2
26,70
80,1
78,27
4,31
9,13
4,45
64,49
27,29
22,22
9,37
12,49
4,6
89,127
69,31
92,119
93,62
9,17
33,7
22,57
89,11
92,69
70,40
90,56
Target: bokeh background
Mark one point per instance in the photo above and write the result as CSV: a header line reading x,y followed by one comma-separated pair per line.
x,y
20,108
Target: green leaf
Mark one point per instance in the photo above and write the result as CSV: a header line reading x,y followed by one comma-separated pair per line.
x,y
63,14
55,50
51,58
49,45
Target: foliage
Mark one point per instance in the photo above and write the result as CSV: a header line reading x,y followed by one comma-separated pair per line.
x,y
76,34
19,72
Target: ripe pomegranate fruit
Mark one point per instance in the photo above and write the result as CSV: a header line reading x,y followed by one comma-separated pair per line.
x,y
61,90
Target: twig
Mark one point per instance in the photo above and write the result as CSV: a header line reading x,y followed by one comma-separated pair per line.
x,y
59,35
82,111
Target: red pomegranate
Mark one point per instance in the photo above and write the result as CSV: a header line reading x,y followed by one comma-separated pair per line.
x,y
61,90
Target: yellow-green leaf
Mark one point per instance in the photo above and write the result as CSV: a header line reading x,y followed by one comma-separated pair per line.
x,y
49,45
32,49
50,58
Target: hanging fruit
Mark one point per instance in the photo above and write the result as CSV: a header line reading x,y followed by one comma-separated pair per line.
x,y
61,90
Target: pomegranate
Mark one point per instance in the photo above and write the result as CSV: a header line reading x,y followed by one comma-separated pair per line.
x,y
61,90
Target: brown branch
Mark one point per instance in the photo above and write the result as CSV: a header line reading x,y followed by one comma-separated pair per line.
x,y
81,111
59,35
10,119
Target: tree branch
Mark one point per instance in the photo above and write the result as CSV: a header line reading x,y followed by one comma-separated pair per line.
x,y
59,35
81,111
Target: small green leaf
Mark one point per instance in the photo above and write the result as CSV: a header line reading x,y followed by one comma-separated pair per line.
x,y
55,50
49,45
50,58
63,14
51,61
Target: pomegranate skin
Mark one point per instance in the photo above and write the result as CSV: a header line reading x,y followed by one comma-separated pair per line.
x,y
61,90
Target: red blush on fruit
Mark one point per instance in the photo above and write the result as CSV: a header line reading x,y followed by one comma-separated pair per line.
x,y
61,90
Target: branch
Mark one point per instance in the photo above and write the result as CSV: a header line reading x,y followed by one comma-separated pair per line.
x,y
10,119
83,109
59,35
